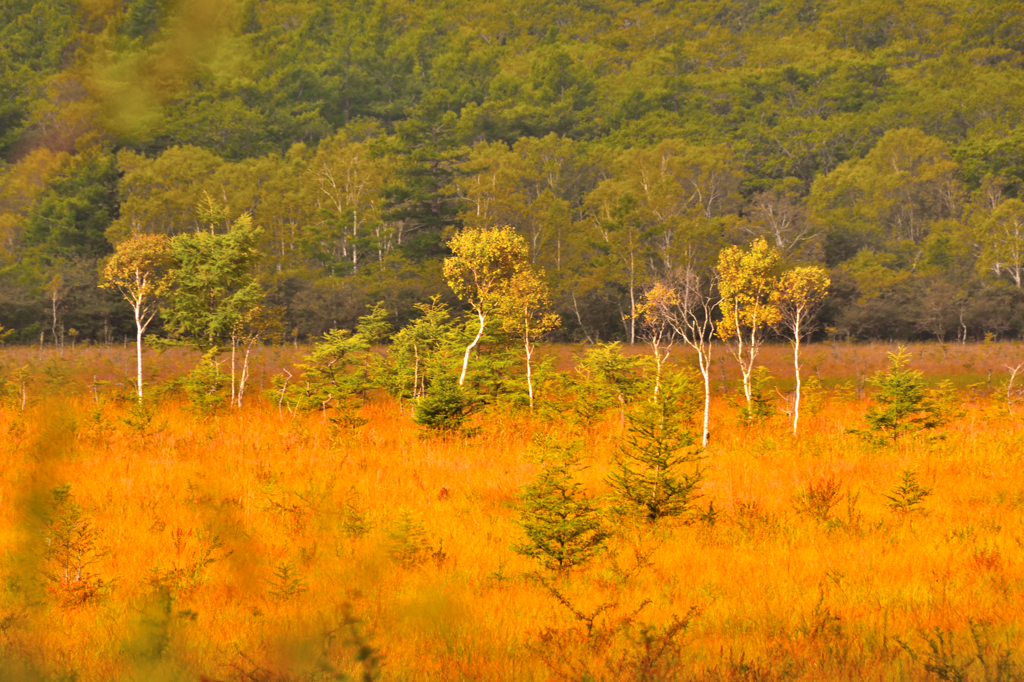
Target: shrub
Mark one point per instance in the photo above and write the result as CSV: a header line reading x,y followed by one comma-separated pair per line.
x,y
649,474
445,408
819,498
70,550
205,384
563,526
407,542
907,497
904,405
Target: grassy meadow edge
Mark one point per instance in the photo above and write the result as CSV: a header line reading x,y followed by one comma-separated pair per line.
x,y
253,544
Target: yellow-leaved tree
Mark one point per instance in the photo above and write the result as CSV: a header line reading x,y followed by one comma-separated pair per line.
x,y
526,312
686,301
480,270
799,295
137,270
746,282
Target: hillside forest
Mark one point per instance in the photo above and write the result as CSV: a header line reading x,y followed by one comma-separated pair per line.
x,y
624,142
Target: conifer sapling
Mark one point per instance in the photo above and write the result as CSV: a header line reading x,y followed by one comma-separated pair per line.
x,y
563,526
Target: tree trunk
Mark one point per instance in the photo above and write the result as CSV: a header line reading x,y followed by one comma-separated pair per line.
x,y
529,372
234,345
796,370
704,360
139,328
470,347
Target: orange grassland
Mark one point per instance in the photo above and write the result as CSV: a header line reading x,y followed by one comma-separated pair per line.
x,y
257,545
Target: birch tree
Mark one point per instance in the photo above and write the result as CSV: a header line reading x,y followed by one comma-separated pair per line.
x,y
797,299
747,281
137,270
482,265
526,312
687,302
1002,240
656,327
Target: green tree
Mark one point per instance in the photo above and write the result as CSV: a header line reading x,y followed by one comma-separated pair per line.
x,y
1002,241
562,524
445,407
904,405
650,463
339,364
423,350
211,284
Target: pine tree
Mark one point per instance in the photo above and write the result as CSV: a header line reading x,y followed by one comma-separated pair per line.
x,y
652,456
904,404
563,526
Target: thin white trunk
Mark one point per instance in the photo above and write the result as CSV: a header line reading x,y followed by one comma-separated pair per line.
x,y
243,378
529,372
529,355
470,347
632,307
704,360
796,371
234,345
139,328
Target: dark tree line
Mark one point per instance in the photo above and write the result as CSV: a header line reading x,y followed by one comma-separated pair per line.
x,y
623,140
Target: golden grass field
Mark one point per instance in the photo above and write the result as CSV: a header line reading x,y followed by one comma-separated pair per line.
x,y
257,545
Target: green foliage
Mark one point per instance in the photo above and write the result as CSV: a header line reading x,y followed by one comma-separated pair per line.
x,y
904,406
652,475
287,582
139,415
761,407
330,371
70,550
604,376
564,527
407,541
70,218
363,136
908,497
205,384
445,408
423,350
339,368
211,285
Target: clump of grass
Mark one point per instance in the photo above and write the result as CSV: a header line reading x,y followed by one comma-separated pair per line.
x,y
819,498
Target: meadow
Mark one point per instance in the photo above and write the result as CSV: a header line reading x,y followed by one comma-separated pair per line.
x,y
258,544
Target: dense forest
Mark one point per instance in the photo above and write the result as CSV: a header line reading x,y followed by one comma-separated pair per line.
x,y
623,140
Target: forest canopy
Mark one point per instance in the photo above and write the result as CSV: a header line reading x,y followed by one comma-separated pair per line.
x,y
622,140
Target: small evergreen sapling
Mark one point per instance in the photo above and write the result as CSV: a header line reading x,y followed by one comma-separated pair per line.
x,y
904,405
652,456
70,549
908,497
563,526
445,408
